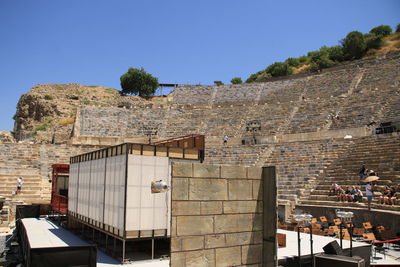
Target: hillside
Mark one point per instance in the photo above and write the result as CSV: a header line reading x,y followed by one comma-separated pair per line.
x,y
326,57
47,112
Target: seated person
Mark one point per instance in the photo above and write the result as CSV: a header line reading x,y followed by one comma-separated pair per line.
x,y
346,195
335,189
386,192
359,195
353,193
396,195
391,198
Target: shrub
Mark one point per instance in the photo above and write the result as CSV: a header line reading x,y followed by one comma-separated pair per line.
x,y
354,45
263,77
218,83
48,97
382,30
336,53
279,69
398,28
374,41
253,77
320,59
292,62
304,60
42,127
236,80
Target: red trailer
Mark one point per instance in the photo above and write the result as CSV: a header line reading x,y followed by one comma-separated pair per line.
x,y
59,188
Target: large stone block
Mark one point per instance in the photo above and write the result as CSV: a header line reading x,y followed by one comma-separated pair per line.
x,y
201,258
208,189
254,172
258,222
178,259
206,170
182,169
180,189
215,241
211,207
240,206
192,242
233,172
228,256
233,223
236,239
240,190
173,226
257,190
185,208
251,254
176,244
194,225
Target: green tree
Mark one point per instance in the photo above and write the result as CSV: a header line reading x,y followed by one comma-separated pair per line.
x,y
374,41
398,28
236,80
320,59
279,69
138,82
336,53
382,30
292,62
354,45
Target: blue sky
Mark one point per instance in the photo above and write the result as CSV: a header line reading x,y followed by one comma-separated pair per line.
x,y
93,42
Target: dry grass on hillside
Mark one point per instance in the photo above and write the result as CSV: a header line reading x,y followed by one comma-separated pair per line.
x,y
66,121
392,45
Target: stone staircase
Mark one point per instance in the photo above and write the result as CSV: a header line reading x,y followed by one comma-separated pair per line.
x,y
380,153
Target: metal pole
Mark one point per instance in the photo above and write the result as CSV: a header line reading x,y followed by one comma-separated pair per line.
x,y
351,239
311,247
341,237
106,241
152,248
298,244
123,250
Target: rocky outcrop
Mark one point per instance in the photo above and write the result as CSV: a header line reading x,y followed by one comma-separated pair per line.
x,y
46,113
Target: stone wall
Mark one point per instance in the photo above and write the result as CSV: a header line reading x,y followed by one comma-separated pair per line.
x,y
216,215
33,162
357,95
242,93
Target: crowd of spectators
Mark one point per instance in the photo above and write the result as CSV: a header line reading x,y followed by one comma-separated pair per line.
x,y
390,195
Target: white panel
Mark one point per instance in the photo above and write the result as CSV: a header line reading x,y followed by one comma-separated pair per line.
x,y
147,211
115,191
96,188
73,186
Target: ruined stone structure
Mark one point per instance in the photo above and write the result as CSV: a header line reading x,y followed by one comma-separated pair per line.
x,y
304,121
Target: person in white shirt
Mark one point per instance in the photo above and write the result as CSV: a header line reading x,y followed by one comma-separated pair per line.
x,y
19,184
368,193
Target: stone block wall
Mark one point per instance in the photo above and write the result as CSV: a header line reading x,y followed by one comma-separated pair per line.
x,y
216,215
33,162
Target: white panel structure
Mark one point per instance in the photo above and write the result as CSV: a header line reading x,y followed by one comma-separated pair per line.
x,y
146,210
96,188
83,188
114,201
73,186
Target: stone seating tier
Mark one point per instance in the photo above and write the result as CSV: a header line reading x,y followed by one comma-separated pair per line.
x,y
379,153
